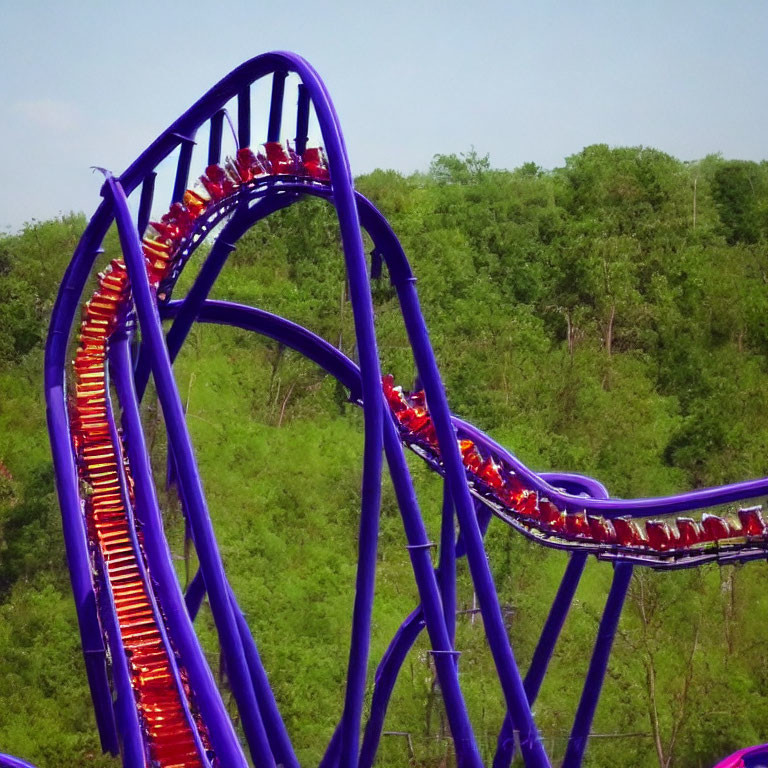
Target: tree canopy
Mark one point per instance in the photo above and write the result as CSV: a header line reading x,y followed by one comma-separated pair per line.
x,y
606,317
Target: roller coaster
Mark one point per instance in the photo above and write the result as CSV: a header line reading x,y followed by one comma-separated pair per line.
x,y
156,701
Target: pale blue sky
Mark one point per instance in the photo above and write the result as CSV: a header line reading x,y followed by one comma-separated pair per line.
x,y
92,82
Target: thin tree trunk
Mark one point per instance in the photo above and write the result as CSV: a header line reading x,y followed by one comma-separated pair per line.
x,y
653,712
341,314
608,340
728,585
609,330
650,678
285,402
683,701
695,184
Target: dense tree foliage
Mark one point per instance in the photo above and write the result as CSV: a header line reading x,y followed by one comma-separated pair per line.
x,y
607,317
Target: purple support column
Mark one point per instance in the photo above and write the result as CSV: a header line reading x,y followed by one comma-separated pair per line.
x,y
444,655
276,106
145,201
509,675
244,117
505,748
362,311
302,120
446,569
276,732
9,761
553,626
384,683
426,580
194,595
597,666
182,171
214,138
223,737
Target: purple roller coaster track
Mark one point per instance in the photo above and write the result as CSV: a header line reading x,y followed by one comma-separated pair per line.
x,y
156,701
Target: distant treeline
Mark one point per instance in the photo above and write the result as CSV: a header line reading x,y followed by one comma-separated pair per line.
x,y
607,317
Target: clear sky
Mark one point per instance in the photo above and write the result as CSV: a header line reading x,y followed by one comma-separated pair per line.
x,y
92,82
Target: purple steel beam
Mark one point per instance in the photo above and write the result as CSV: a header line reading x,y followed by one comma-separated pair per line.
x,y
273,723
223,737
194,595
274,327
145,201
276,106
302,120
597,666
444,655
391,662
386,676
277,734
498,641
362,311
9,761
419,549
505,747
244,117
182,171
446,569
553,626
214,137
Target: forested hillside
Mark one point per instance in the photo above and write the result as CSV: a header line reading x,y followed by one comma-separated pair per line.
x,y
608,317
